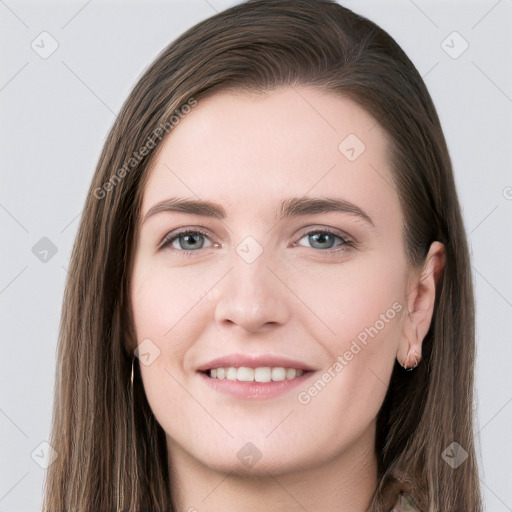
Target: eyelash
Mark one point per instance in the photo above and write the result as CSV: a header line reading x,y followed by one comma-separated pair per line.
x,y
346,243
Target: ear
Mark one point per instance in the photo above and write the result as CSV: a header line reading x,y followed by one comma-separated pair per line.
x,y
420,300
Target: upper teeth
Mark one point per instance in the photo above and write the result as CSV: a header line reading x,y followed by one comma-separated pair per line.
x,y
262,374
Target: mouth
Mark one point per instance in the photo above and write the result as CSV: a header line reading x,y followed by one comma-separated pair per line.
x,y
251,377
261,374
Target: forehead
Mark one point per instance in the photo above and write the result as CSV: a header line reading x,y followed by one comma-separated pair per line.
x,y
251,151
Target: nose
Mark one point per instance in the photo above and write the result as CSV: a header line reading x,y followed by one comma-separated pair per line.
x,y
251,296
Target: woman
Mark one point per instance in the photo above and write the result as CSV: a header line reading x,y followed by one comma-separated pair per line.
x,y
315,349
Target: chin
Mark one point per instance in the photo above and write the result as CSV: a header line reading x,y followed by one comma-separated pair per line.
x,y
268,463
256,458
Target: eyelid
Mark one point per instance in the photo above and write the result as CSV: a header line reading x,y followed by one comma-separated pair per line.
x,y
327,230
172,235
169,238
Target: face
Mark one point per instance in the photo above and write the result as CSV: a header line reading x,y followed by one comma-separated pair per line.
x,y
270,322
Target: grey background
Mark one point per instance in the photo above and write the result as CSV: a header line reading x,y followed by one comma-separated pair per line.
x,y
55,114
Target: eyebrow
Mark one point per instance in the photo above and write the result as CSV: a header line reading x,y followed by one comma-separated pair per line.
x,y
292,207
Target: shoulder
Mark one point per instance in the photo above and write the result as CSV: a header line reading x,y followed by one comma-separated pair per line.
x,y
405,503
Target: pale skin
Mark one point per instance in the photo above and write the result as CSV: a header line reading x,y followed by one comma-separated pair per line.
x,y
248,153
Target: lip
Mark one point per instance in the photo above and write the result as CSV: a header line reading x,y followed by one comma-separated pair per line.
x,y
254,390
254,361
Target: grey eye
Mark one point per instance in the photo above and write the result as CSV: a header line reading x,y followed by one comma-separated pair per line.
x,y
322,239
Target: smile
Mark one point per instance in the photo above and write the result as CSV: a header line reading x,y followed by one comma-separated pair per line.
x,y
261,374
254,376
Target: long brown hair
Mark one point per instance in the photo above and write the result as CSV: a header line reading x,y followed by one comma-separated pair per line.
x,y
111,451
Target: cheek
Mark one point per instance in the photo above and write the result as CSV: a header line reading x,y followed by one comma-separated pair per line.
x,y
165,304
351,297
162,298
362,304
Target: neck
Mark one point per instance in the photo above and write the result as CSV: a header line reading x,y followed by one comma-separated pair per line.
x,y
345,483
